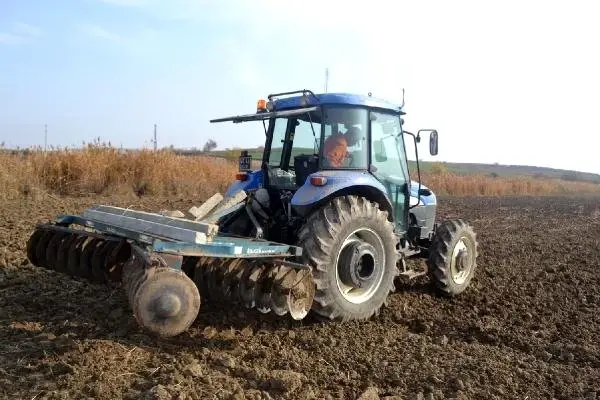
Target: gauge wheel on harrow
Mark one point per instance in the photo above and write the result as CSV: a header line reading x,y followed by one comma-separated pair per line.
x,y
452,257
351,246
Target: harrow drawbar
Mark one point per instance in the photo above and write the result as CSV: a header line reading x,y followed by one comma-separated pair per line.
x,y
166,279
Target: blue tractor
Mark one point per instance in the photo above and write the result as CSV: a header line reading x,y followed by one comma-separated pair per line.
x,y
324,220
334,180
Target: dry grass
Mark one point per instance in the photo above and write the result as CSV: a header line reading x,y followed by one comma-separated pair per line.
x,y
103,170
447,183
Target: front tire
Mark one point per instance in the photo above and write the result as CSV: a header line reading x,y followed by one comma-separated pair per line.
x,y
453,257
351,247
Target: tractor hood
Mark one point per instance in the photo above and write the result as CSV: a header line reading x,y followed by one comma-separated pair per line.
x,y
426,199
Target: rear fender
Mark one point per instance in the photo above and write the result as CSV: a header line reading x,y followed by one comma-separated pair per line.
x,y
340,183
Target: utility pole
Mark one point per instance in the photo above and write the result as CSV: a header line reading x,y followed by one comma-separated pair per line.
x,y
155,142
326,78
45,137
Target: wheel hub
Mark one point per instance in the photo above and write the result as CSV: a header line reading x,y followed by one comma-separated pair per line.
x,y
167,305
359,261
461,258
460,262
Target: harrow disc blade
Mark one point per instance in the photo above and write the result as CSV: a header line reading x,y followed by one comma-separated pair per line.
x,y
301,295
113,267
74,255
199,276
41,248
32,244
52,250
264,290
247,289
98,259
233,269
213,282
85,260
62,255
279,292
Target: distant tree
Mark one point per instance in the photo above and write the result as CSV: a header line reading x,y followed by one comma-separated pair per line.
x,y
210,145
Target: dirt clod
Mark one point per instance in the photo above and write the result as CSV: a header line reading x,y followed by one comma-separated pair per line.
x,y
287,381
372,393
225,360
158,392
194,370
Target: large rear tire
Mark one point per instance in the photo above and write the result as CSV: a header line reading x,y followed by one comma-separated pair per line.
x,y
453,257
351,247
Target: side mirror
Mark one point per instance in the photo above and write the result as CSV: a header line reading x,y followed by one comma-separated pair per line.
x,y
433,143
433,140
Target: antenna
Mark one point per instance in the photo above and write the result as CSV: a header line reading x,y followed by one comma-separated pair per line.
x,y
402,97
326,78
45,137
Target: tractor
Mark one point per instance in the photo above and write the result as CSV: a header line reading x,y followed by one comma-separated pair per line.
x,y
323,221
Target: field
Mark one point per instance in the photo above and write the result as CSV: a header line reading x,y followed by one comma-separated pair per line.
x,y
528,327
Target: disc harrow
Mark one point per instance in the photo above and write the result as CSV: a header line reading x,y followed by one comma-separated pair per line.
x,y
165,298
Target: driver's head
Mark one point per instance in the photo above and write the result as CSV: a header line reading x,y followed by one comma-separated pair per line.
x,y
335,150
353,135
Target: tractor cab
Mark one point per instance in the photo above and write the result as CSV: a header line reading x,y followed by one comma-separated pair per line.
x,y
320,146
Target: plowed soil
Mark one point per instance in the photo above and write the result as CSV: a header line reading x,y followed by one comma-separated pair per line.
x,y
528,328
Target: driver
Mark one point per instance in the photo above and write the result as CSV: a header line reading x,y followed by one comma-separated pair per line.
x,y
336,146
334,150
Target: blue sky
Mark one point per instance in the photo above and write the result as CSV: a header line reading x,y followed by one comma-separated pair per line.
x,y
508,82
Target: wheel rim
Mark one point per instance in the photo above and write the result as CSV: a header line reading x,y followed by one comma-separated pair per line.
x,y
371,268
460,264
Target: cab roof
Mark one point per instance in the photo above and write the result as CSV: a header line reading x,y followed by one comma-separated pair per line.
x,y
351,99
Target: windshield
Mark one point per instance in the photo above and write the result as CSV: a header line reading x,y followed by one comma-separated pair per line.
x,y
344,131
